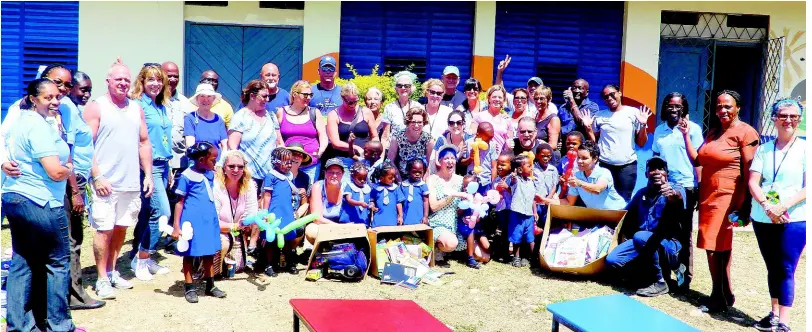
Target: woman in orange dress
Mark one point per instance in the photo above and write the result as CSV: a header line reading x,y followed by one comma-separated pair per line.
x,y
725,158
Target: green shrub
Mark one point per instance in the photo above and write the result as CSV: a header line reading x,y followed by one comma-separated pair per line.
x,y
383,81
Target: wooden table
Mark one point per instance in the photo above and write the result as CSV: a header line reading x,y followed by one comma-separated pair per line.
x,y
363,315
613,313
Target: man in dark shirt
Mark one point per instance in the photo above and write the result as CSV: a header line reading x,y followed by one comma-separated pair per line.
x,y
575,107
452,97
651,228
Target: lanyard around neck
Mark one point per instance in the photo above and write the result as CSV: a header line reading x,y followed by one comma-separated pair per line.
x,y
777,167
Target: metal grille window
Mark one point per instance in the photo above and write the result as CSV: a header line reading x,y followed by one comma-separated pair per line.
x,y
696,51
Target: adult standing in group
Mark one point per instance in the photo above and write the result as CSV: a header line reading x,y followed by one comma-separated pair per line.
x,y
327,94
373,99
437,112
221,106
121,143
255,131
445,194
452,98
676,140
617,130
725,157
456,136
576,104
175,106
82,89
33,203
533,83
496,115
326,198
277,97
203,125
777,183
472,105
526,140
348,127
151,92
394,113
235,196
520,100
301,123
412,142
548,124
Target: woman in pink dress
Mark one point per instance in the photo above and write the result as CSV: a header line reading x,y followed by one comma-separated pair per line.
x,y
496,115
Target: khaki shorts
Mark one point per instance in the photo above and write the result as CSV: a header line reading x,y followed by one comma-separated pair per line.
x,y
118,209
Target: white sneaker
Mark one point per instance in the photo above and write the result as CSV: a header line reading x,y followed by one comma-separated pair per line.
x,y
118,282
156,269
142,270
104,290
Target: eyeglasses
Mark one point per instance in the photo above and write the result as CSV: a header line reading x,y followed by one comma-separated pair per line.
x,y
540,98
415,123
237,167
456,123
350,102
328,69
609,95
59,83
526,131
785,117
306,95
436,93
152,64
264,96
403,86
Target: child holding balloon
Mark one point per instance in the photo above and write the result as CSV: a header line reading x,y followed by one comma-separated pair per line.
x,y
484,165
196,220
278,191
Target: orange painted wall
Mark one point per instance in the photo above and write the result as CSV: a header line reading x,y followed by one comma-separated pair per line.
x,y
482,70
310,70
639,88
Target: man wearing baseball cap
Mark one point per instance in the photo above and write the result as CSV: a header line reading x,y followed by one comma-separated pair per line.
x,y
651,230
452,97
326,95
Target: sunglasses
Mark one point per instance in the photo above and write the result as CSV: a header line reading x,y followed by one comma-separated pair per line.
x,y
306,95
59,83
237,167
350,102
471,88
785,117
609,95
540,98
526,131
328,69
403,86
436,93
152,64
456,123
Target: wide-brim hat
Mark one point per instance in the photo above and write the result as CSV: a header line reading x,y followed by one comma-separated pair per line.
x,y
205,89
299,148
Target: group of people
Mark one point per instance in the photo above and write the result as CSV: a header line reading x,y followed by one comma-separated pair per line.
x,y
142,154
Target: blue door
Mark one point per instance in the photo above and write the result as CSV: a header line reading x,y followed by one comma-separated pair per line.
x,y
237,54
684,69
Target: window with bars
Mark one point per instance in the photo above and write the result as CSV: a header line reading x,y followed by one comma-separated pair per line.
x,y
558,77
415,65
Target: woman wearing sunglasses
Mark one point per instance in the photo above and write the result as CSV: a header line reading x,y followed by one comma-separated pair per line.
x,y
495,114
395,112
348,127
434,90
456,136
548,124
235,198
300,123
472,105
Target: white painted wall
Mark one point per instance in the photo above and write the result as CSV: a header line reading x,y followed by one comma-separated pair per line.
x,y
243,13
138,32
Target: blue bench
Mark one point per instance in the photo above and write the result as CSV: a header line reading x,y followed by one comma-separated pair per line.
x,y
613,313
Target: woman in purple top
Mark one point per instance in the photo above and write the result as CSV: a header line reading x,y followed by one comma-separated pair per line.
x,y
299,123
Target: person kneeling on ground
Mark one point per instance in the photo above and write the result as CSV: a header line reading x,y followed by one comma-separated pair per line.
x,y
651,229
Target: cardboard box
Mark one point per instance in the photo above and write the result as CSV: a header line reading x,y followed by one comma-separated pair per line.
x,y
424,232
559,215
355,233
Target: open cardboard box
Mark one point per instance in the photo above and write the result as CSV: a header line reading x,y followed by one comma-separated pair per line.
x,y
424,232
355,233
558,215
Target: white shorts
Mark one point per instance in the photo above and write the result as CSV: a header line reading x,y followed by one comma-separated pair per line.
x,y
118,209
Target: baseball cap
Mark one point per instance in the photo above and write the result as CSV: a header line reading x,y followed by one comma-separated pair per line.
x,y
656,163
451,70
327,61
335,162
535,79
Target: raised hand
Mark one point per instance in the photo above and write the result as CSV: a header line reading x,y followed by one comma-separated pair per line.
x,y
682,126
503,64
586,118
643,115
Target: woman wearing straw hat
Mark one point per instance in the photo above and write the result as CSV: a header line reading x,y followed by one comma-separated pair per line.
x,y
301,180
203,124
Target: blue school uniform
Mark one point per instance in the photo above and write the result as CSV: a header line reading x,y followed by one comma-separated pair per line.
x,y
355,214
200,211
386,199
413,194
282,193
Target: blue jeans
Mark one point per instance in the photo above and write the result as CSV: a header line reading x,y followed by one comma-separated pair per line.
x,y
312,171
40,267
146,233
781,246
642,258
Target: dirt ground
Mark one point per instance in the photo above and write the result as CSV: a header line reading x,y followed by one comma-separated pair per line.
x,y
497,297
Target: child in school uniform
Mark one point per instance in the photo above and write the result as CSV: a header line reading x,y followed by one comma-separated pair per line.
x,y
503,171
373,150
357,196
548,177
196,206
278,193
415,193
387,203
526,192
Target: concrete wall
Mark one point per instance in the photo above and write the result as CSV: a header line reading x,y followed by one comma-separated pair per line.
x,y
484,40
138,32
322,35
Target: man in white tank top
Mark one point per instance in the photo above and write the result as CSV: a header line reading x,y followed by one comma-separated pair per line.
x,y
120,144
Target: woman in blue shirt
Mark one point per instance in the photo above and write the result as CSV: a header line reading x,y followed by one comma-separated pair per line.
x,y
779,209
592,183
203,125
33,203
151,91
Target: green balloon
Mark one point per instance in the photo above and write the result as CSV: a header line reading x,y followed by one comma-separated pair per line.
x,y
298,223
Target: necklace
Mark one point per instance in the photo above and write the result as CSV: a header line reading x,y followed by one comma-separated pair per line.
x,y
777,167
290,108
